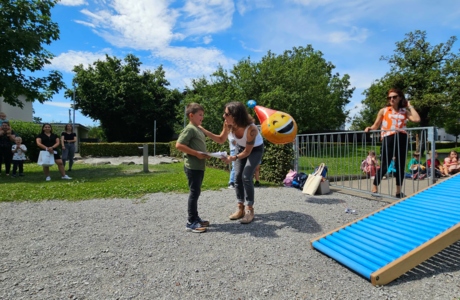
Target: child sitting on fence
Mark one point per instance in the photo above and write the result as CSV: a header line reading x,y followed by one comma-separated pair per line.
x,y
370,164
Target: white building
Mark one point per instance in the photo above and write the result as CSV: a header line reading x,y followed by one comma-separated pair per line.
x,y
15,112
443,136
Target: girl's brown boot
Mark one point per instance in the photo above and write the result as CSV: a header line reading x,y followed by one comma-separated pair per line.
x,y
248,215
239,213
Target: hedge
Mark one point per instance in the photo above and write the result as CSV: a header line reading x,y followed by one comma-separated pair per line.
x,y
121,149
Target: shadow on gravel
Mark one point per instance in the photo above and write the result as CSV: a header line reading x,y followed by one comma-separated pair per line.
x,y
267,225
446,261
324,200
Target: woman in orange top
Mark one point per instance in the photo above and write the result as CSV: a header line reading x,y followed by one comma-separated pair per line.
x,y
391,120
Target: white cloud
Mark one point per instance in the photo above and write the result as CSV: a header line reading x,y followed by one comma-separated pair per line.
x,y
355,34
135,24
66,61
195,60
243,44
206,16
185,64
58,104
245,6
207,39
72,2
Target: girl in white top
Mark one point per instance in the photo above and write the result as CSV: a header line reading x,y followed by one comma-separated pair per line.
x,y
250,148
19,156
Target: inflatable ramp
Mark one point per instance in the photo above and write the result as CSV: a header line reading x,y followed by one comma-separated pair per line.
x,y
389,242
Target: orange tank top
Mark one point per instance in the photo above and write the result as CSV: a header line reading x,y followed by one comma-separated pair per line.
x,y
393,121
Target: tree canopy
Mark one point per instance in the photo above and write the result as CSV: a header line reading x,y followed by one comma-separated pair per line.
x,y
125,100
429,75
299,82
26,25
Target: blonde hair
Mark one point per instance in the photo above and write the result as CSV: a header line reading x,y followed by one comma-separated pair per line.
x,y
18,138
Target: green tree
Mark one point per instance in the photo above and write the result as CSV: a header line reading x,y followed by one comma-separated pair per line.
x,y
96,132
26,25
429,75
125,100
299,82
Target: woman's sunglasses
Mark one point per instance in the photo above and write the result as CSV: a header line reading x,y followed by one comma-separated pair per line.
x,y
392,97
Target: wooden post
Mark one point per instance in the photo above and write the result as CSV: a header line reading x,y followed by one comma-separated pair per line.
x,y
146,158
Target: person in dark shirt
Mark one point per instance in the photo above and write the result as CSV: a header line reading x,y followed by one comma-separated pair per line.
x,y
68,139
49,141
7,137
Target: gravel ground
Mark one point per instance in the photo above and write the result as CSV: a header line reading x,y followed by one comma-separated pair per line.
x,y
139,249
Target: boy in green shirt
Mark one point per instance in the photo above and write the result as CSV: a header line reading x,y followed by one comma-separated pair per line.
x,y
192,141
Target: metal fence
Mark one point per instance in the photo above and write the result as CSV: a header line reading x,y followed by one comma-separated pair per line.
x,y
343,153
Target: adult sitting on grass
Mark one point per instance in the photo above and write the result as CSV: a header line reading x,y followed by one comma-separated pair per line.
x,y
49,141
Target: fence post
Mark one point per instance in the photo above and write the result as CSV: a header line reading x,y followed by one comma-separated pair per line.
x,y
431,138
146,158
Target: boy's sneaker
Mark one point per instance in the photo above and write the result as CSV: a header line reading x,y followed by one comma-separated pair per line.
x,y
415,175
66,177
203,223
48,178
231,185
257,183
195,227
422,176
13,175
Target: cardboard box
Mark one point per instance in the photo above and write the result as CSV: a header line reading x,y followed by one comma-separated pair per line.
x,y
323,188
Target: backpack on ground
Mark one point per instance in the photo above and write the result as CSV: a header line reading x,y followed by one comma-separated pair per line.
x,y
289,178
299,180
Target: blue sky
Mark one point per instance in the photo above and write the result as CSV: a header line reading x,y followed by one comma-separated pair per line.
x,y
191,38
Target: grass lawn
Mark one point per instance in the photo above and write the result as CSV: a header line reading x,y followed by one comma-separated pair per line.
x,y
103,181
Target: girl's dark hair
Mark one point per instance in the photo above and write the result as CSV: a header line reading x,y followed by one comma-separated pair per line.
x,y
401,103
44,124
71,127
239,113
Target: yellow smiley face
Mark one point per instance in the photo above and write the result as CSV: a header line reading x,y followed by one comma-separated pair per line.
x,y
279,128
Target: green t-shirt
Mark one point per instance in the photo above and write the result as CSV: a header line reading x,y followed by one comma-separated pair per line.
x,y
195,139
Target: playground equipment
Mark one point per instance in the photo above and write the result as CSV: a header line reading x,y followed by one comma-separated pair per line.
x,y
389,242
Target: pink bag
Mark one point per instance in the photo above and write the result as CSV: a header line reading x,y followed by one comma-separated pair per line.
x,y
289,178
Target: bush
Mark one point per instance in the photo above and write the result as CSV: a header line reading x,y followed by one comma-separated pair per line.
x,y
28,131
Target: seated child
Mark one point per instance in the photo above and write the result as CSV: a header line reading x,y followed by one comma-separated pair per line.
x,y
415,167
438,170
451,163
370,164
